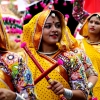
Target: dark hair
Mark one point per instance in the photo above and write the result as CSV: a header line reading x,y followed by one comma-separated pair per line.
x,y
94,15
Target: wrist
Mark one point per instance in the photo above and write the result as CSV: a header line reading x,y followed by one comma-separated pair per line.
x,y
68,93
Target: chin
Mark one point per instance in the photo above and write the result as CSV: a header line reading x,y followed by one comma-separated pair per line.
x,y
53,43
92,32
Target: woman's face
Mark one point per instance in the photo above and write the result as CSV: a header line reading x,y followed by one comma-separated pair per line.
x,y
52,30
94,25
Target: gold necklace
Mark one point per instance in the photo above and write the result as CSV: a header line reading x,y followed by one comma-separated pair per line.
x,y
47,53
93,43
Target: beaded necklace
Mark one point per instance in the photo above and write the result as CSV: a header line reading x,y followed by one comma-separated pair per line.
x,y
48,53
92,43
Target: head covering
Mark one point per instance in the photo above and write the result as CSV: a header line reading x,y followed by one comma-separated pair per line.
x,y
84,30
4,45
32,31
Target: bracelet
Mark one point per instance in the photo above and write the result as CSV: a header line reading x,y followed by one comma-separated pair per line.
x,y
68,93
90,85
19,97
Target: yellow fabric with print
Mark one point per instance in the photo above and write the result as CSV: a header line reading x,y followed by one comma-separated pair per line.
x,y
3,82
41,87
32,34
3,85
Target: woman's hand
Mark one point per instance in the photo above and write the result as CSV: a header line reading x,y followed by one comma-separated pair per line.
x,y
56,87
6,94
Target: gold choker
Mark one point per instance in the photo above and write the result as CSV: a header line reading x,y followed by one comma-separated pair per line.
x,y
93,43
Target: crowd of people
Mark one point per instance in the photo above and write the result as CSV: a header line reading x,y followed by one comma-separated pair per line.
x,y
48,39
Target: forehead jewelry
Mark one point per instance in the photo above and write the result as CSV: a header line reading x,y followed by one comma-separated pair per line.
x,y
53,15
98,16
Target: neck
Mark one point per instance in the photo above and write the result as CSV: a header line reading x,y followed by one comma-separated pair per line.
x,y
94,38
48,48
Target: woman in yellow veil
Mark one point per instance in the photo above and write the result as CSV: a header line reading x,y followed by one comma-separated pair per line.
x,y
91,42
45,35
